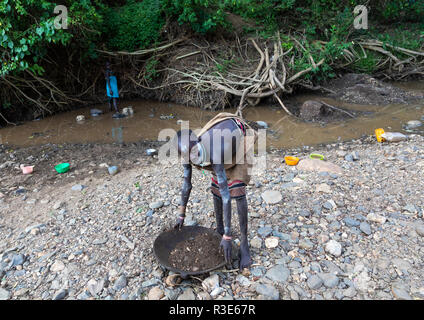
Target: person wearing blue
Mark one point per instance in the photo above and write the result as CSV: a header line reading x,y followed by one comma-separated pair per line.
x,y
111,88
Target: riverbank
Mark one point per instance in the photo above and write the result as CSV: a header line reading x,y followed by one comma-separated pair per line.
x,y
86,235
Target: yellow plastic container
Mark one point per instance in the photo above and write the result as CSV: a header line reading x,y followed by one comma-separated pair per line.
x,y
378,133
291,161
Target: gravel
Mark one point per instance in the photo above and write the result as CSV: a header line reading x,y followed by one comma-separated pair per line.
x,y
352,234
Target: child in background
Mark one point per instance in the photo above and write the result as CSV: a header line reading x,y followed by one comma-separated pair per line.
x,y
111,88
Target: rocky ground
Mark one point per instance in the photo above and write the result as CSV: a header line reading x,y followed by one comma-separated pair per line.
x,y
352,231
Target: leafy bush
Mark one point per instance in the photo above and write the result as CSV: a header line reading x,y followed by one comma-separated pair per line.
x,y
201,15
135,25
27,30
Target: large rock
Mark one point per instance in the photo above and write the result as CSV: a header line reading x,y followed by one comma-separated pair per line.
x,y
272,196
271,242
268,291
413,124
334,248
155,293
419,228
95,287
314,282
211,283
319,166
311,110
279,273
4,294
330,280
400,292
187,295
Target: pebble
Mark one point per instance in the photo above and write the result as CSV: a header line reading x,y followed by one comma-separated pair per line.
x,y
35,226
349,292
376,218
305,213
256,242
305,244
330,280
323,187
400,293
120,283
16,260
268,291
419,228
334,248
330,204
413,124
149,283
155,293
216,292
271,242
272,196
211,283
410,208
314,282
244,282
61,294
95,287
365,228
264,231
57,266
349,157
258,271
4,294
156,205
57,205
278,273
78,187
100,241
187,294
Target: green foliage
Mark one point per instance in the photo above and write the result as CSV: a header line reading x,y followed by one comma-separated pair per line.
x,y
368,63
410,36
203,16
150,69
403,10
27,30
135,25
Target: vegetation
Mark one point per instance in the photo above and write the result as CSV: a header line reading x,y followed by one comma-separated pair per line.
x,y
311,30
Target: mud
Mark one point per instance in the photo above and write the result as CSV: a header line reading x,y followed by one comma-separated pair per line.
x,y
196,254
364,89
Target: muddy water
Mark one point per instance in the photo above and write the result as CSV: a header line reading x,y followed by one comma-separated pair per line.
x,y
145,124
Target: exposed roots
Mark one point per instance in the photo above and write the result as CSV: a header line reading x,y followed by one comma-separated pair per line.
x,y
211,76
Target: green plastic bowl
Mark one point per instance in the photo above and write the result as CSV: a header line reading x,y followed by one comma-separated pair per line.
x,y
316,156
62,167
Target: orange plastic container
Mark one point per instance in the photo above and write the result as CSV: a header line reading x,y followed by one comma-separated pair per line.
x,y
378,133
291,161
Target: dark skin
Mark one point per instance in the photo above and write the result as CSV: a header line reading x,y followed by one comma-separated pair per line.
x,y
108,73
222,205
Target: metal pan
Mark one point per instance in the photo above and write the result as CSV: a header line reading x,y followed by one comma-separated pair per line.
x,y
167,241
